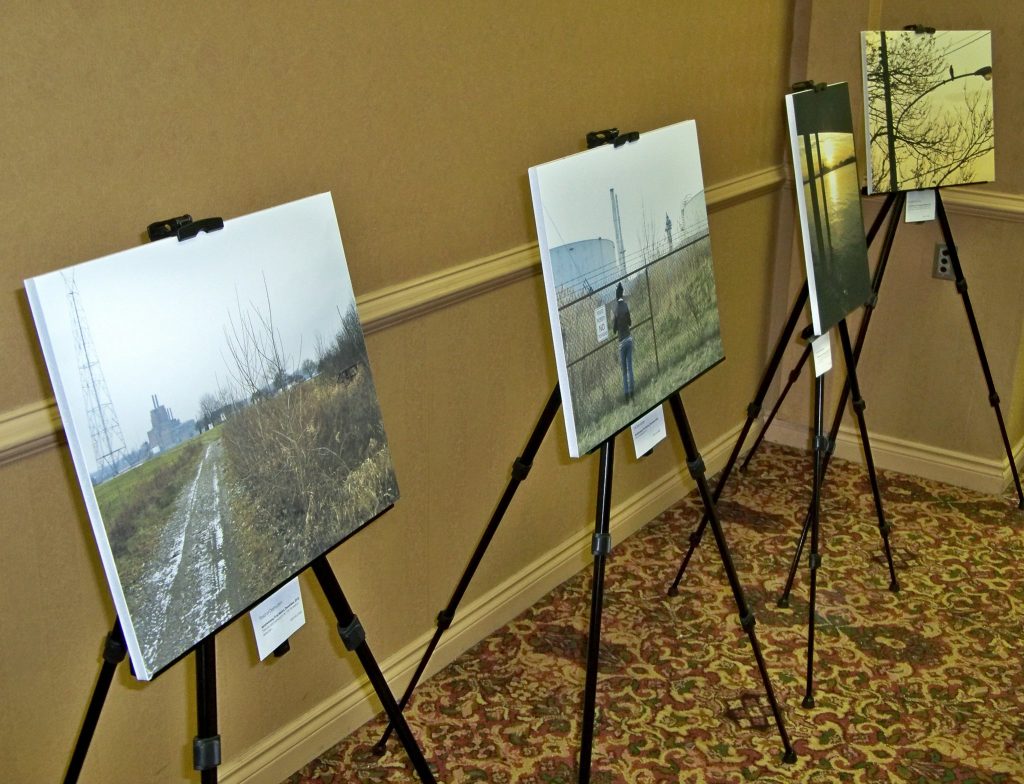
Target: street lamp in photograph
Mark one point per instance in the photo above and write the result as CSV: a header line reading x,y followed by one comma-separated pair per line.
x,y
895,115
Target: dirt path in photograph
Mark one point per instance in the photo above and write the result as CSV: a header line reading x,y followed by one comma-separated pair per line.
x,y
187,594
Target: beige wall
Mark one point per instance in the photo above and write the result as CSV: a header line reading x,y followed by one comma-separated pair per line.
x,y
422,120
928,408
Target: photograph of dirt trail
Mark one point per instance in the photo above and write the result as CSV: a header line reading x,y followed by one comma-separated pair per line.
x,y
221,415
626,256
928,108
828,201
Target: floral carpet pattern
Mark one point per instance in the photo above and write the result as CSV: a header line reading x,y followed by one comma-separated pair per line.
x,y
924,685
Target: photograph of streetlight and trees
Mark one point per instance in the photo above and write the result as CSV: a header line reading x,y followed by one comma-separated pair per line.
x,y
828,201
626,257
221,415
928,108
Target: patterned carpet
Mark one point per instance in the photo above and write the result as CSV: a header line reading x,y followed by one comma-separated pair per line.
x,y
919,686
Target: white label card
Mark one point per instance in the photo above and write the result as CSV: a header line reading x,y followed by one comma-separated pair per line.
x,y
648,430
601,321
277,617
821,349
920,206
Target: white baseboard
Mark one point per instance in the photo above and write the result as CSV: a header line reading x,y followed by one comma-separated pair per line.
x,y
908,457
290,747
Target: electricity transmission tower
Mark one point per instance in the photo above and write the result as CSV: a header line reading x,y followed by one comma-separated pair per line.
x,y
104,428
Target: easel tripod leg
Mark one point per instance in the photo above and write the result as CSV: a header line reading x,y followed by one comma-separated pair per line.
x,y
753,410
783,600
520,470
354,637
869,307
961,287
820,449
851,385
893,203
794,374
892,207
114,651
827,445
896,198
601,548
206,753
696,465
858,406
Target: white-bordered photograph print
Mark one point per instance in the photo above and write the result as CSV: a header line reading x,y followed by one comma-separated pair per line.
x,y
626,256
221,415
828,201
928,108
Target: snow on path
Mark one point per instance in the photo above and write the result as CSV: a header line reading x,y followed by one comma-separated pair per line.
x,y
184,596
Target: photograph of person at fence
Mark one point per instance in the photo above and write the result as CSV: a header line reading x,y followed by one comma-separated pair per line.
x,y
626,255
620,326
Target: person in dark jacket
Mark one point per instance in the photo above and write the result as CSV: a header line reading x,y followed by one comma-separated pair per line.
x,y
621,322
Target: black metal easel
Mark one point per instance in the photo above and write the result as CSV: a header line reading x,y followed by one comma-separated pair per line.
x,y
961,287
823,449
206,749
520,470
754,408
601,547
893,204
824,446
114,651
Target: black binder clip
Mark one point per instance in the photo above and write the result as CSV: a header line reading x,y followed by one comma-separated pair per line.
x,y
919,29
808,84
625,138
167,228
189,230
610,136
182,227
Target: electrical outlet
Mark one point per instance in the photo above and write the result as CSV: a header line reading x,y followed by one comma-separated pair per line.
x,y
942,267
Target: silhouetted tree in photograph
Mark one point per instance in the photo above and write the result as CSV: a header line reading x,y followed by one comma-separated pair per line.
x,y
929,109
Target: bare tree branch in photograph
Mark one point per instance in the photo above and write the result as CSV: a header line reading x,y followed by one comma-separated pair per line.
x,y
215,407
256,361
319,347
209,405
306,461
346,350
930,141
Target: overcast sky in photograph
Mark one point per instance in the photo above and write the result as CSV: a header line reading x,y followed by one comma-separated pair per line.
x,y
158,313
654,174
965,51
